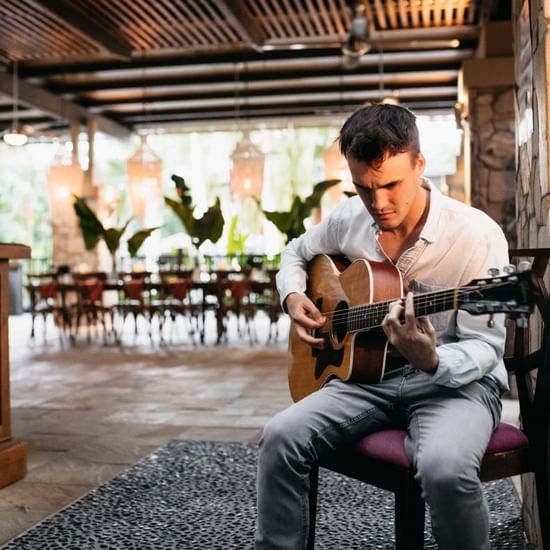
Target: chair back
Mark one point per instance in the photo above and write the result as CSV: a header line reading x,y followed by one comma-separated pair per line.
x,y
528,360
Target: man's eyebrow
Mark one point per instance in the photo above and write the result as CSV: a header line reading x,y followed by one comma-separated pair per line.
x,y
393,182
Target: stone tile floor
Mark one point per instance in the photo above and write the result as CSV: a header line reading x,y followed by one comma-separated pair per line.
x,y
89,411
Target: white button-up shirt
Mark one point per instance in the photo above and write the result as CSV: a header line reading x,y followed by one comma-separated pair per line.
x,y
458,243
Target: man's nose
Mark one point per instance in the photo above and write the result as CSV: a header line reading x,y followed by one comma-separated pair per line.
x,y
378,200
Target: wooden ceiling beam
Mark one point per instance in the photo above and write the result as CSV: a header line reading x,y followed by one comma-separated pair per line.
x,y
38,98
236,12
65,10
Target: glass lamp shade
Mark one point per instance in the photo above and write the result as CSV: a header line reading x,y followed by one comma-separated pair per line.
x,y
144,170
15,137
65,179
247,173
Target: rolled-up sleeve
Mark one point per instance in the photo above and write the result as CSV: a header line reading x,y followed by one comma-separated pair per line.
x,y
479,345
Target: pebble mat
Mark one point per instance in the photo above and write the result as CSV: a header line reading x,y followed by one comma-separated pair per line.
x,y
201,495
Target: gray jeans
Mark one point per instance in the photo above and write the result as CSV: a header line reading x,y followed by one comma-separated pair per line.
x,y
448,432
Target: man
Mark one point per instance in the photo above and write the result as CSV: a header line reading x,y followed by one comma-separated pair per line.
x,y
447,395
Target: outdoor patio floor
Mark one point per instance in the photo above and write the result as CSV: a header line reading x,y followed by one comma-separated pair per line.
x,y
89,411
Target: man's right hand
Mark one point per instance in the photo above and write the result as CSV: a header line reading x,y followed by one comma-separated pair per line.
x,y
306,317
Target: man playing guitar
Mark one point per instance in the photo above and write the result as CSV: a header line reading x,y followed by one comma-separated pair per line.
x,y
444,375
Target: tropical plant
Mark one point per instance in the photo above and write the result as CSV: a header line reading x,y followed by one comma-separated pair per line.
x,y
291,223
93,231
235,238
209,227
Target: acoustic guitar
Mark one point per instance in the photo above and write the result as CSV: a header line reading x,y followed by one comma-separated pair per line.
x,y
355,299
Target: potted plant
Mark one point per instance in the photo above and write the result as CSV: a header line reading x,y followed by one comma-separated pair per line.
x,y
93,231
208,227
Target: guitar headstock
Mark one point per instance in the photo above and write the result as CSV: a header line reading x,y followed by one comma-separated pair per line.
x,y
512,294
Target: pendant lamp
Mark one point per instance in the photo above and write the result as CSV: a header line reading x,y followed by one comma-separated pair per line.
x,y
144,170
247,172
14,135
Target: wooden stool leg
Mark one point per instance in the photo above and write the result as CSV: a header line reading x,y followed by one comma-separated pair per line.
x,y
313,486
409,517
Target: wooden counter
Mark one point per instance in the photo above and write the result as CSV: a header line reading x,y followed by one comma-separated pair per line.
x,y
13,454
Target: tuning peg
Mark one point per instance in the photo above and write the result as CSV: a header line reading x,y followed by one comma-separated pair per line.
x,y
524,265
493,271
509,269
491,321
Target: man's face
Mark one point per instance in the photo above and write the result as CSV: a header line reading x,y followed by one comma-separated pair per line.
x,y
392,192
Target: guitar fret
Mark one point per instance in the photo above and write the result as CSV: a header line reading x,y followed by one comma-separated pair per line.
x,y
372,315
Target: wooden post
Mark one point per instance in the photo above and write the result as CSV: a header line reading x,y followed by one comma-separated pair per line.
x,y
13,454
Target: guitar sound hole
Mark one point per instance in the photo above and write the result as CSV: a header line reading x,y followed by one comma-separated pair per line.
x,y
340,322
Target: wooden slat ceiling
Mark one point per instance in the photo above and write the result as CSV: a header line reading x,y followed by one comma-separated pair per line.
x,y
134,63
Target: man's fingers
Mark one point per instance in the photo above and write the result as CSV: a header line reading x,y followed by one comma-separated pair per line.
x,y
409,309
306,337
425,325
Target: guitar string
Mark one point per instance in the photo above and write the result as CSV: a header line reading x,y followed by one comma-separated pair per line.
x,y
379,309
440,295
364,317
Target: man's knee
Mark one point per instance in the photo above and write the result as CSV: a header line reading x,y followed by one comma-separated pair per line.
x,y
280,434
443,474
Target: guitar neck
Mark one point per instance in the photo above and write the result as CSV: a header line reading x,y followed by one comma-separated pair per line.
x,y
371,315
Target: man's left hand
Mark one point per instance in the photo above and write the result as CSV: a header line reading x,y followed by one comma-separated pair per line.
x,y
413,337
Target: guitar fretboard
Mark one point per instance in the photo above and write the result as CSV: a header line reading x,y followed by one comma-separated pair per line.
x,y
371,315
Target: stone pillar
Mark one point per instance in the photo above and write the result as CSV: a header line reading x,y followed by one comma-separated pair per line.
x,y
492,129
531,20
488,89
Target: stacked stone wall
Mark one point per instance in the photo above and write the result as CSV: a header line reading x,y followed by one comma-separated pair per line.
x,y
532,184
493,166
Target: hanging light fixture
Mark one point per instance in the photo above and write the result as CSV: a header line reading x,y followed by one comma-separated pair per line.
x,y
383,98
247,172
144,171
14,135
65,179
357,42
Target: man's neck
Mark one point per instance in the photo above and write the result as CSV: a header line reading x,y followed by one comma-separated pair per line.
x,y
396,241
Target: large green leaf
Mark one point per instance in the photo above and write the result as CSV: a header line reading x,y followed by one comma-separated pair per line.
x,y
92,229
184,213
209,226
319,189
137,239
183,191
283,220
291,223
113,235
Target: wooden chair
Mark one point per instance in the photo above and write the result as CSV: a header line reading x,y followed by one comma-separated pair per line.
x,y
267,300
134,298
380,459
90,306
44,301
237,302
174,301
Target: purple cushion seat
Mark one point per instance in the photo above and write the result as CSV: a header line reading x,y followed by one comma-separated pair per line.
x,y
389,445
505,438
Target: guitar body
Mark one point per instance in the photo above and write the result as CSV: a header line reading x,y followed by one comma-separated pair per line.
x,y
355,356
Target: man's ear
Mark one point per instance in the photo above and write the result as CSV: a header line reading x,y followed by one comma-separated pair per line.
x,y
420,164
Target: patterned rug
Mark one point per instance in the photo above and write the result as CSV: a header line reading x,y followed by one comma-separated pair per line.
x,y
201,495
